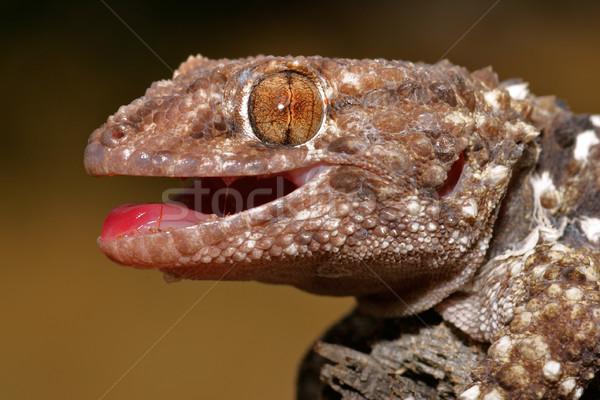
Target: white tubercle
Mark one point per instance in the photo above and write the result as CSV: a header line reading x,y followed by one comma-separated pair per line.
x,y
591,228
518,91
583,144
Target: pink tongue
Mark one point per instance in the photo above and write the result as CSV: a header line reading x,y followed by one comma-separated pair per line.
x,y
131,219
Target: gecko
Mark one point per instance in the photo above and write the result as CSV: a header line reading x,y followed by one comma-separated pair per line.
x,y
406,185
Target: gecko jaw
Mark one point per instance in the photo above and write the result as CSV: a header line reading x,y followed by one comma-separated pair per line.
x,y
206,199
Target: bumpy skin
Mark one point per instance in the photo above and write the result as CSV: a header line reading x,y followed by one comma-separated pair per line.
x,y
417,160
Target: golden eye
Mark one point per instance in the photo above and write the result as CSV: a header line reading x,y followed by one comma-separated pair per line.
x,y
285,108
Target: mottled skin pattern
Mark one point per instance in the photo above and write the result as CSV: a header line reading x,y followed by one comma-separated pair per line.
x,y
418,162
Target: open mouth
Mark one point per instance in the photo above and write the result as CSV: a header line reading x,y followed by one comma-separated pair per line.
x,y
205,199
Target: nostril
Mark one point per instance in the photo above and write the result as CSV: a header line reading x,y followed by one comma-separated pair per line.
x,y
118,133
452,178
112,136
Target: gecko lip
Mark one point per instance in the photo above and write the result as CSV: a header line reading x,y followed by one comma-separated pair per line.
x,y
205,199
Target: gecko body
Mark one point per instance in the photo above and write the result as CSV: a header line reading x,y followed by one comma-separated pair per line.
x,y
406,185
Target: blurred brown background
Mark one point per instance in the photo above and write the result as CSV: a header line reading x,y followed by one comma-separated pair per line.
x,y
72,322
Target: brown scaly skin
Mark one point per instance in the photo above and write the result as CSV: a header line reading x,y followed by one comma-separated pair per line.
x,y
386,221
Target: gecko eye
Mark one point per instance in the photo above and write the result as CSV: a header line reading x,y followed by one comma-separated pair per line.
x,y
285,108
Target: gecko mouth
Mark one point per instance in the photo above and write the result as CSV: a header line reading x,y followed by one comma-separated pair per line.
x,y
205,199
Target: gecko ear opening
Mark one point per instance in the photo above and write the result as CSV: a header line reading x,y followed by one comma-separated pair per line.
x,y
452,178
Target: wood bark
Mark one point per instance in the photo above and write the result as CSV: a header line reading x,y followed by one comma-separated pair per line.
x,y
368,358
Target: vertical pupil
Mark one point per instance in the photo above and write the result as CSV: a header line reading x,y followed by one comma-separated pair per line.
x,y
285,108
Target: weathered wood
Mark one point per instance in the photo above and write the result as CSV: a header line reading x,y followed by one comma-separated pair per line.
x,y
363,357
367,358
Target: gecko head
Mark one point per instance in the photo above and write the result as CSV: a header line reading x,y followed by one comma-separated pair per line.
x,y
374,178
